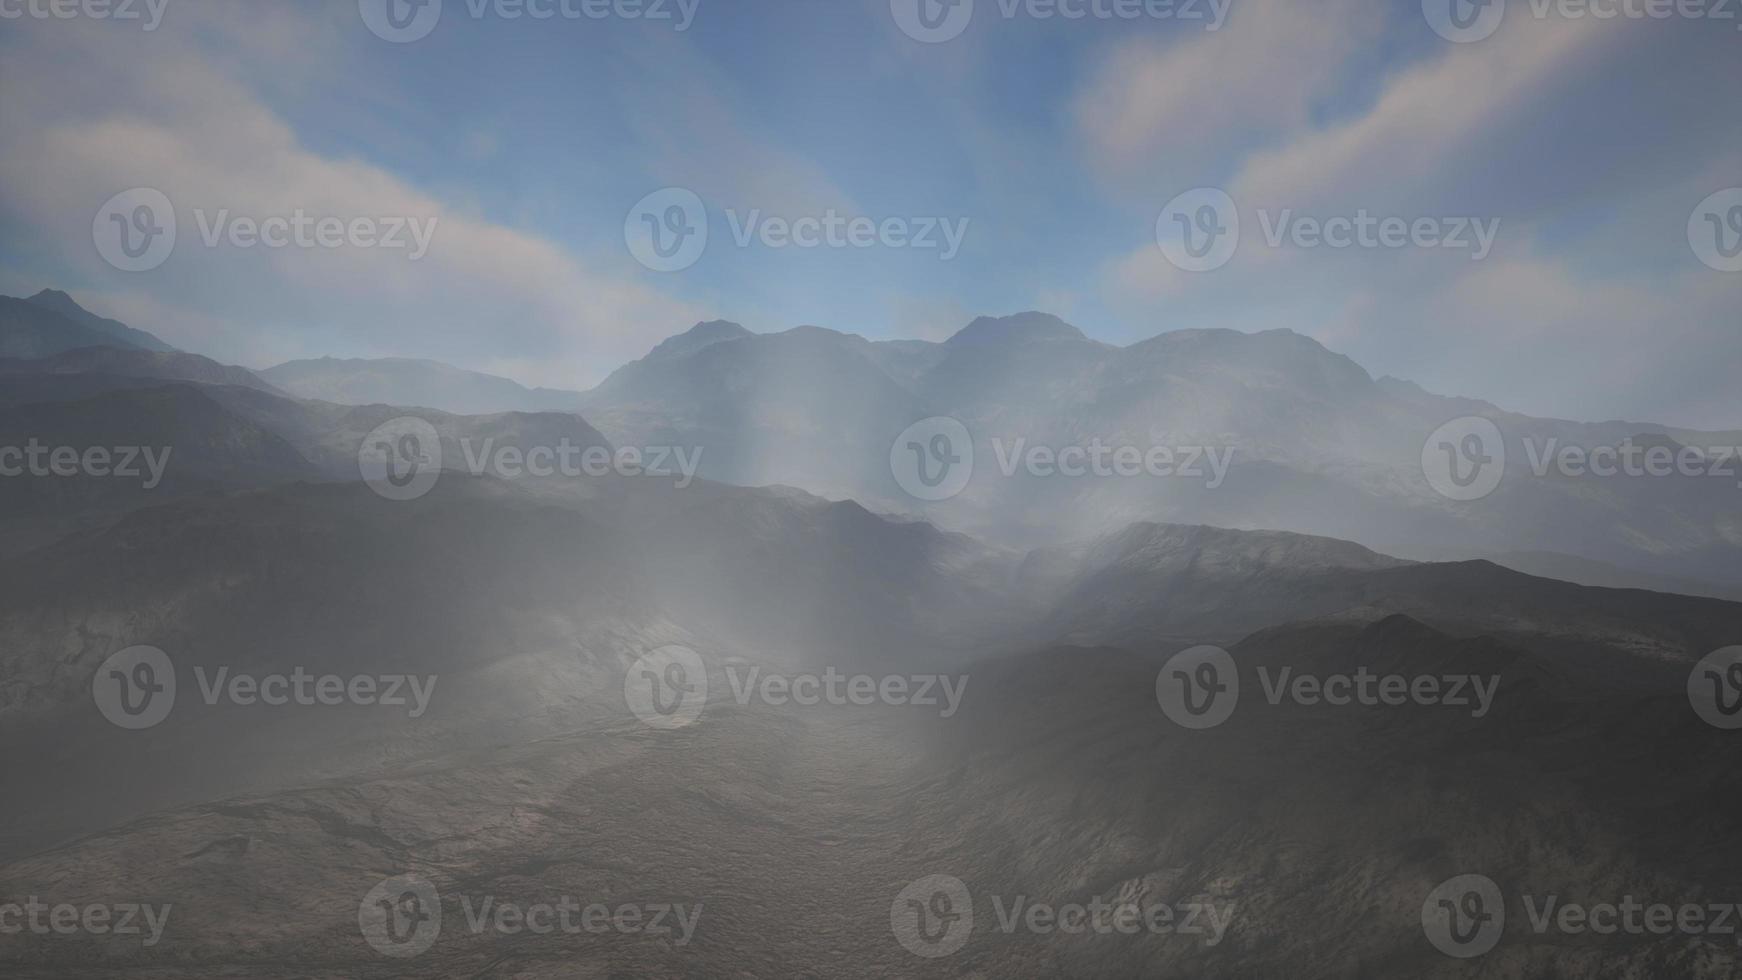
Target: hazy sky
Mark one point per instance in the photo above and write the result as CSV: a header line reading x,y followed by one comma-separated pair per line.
x,y
1592,141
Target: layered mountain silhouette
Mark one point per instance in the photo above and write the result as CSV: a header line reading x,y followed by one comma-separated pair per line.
x,y
405,381
50,322
528,602
1317,445
1059,780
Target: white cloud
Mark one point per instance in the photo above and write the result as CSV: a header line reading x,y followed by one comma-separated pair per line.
x,y
1158,104
93,113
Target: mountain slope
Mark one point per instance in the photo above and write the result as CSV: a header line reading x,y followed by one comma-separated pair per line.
x,y
126,363
119,334
404,381
1316,833
1275,430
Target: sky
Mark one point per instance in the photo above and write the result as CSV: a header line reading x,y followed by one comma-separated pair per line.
x,y
1070,157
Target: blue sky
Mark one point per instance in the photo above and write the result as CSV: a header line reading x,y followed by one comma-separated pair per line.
x,y
1590,141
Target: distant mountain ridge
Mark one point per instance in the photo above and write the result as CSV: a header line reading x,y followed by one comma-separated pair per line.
x,y
413,382
1318,446
59,302
131,363
50,323
1312,443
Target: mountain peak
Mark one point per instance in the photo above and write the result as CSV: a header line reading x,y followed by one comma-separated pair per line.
x,y
699,336
56,323
54,299
1022,328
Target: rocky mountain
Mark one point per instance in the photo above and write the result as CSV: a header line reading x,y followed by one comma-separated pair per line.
x,y
50,323
126,363
1059,781
520,608
158,441
119,334
1266,430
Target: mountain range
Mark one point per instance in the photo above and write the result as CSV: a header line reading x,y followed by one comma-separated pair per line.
x,y
529,602
1312,442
